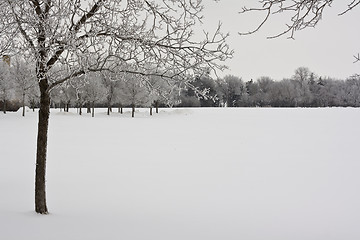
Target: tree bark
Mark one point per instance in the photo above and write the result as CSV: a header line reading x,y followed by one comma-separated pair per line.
x,y
4,106
93,109
44,113
121,109
157,106
88,108
133,111
23,105
150,111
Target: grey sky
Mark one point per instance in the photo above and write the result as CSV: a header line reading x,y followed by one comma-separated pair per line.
x,y
327,50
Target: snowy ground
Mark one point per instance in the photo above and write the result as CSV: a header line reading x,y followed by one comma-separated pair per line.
x,y
185,174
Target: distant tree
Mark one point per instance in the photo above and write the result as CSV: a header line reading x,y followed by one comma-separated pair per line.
x,y
208,86
77,87
302,80
135,93
34,96
6,84
265,85
283,94
67,95
188,100
94,90
231,91
110,82
25,80
252,90
163,93
352,91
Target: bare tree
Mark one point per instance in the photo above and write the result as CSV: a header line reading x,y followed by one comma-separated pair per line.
x,y
34,96
5,84
84,36
301,79
163,92
94,90
134,92
110,82
24,79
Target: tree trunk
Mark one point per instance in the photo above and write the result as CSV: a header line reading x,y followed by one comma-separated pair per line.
x,y
150,111
108,110
88,107
121,109
23,105
4,106
133,111
93,109
80,110
157,106
44,113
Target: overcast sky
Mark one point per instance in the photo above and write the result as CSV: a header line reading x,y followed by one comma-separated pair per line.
x,y
326,50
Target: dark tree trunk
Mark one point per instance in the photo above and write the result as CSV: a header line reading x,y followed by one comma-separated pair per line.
x,y
157,106
108,110
44,113
4,106
80,110
23,105
88,107
93,109
133,111
150,111
121,109
67,107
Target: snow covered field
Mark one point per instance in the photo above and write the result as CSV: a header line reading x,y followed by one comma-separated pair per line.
x,y
185,174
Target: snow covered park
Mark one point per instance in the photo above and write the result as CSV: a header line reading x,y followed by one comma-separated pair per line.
x,y
185,174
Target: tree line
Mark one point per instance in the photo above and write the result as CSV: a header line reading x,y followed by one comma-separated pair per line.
x,y
303,89
18,87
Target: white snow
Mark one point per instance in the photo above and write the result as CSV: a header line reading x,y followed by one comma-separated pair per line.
x,y
187,174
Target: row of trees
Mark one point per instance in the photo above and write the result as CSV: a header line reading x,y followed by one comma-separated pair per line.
x,y
303,89
105,89
18,87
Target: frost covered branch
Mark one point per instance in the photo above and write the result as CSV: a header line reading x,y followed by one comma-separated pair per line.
x,y
303,13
